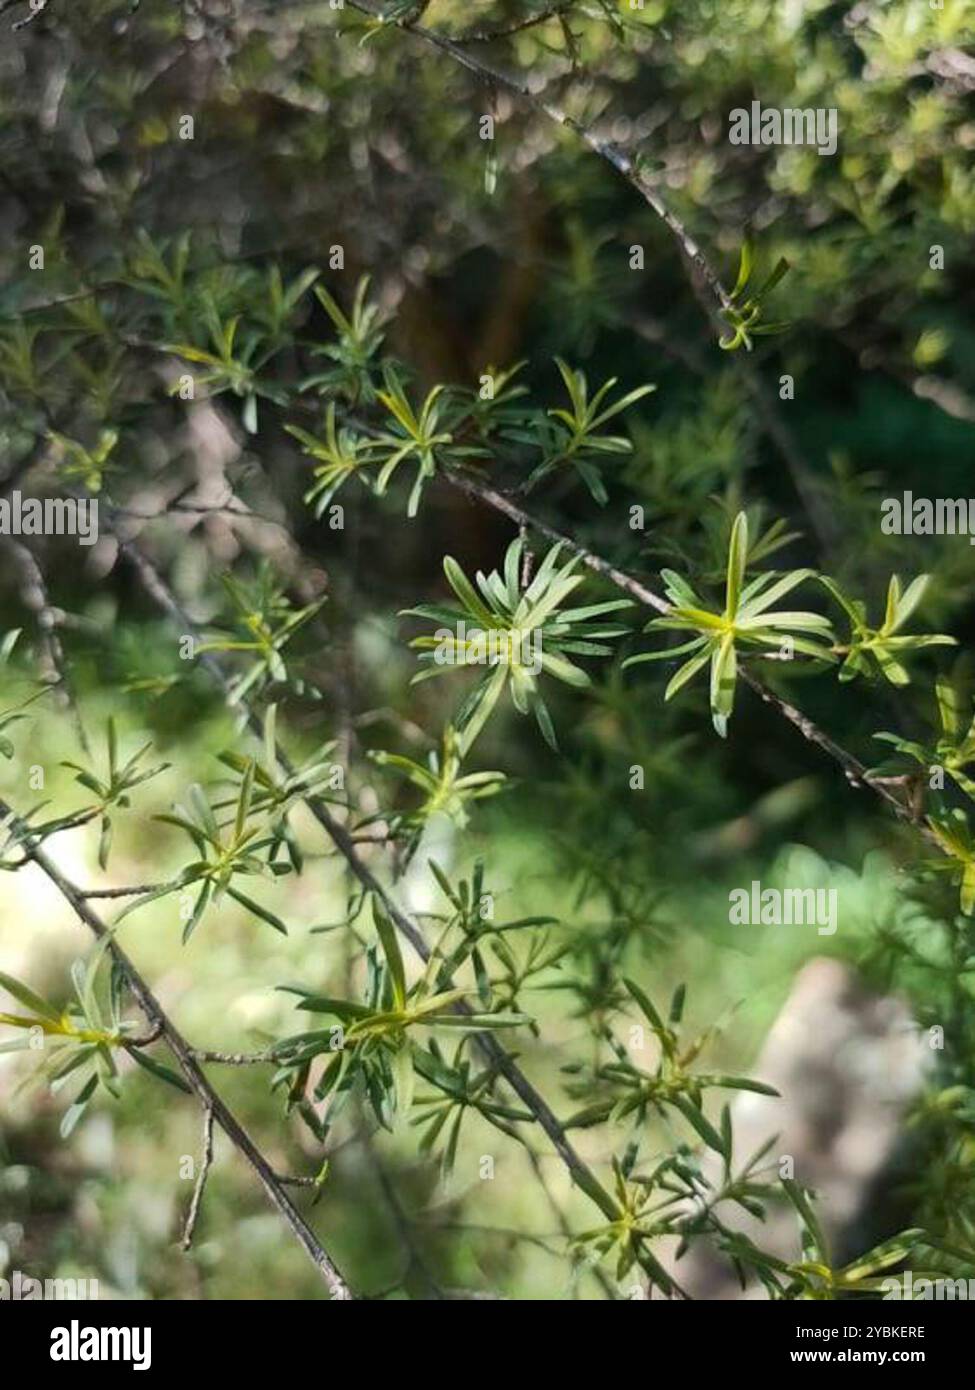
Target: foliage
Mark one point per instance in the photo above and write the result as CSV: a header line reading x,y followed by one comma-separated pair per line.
x,y
744,309
334,280
80,1042
517,630
575,436
882,645
747,618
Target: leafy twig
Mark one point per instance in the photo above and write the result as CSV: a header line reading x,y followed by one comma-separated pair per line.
x,y
196,1079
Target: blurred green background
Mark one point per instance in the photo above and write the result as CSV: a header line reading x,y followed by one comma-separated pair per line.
x,y
306,137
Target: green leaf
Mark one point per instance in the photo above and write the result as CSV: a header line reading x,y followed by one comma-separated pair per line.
x,y
905,606
949,706
737,559
700,1122
104,843
157,1069
74,1112
724,668
646,1007
889,1252
26,996
466,592
403,1081
739,1083
746,263
686,673
199,907
797,1196
391,950
264,913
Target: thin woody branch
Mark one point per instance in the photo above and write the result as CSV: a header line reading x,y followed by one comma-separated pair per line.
x,y
517,26
856,772
404,922
703,273
135,890
344,842
206,1159
610,153
235,1059
84,370
196,1079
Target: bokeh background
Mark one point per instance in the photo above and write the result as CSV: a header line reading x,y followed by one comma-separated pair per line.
x,y
310,135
